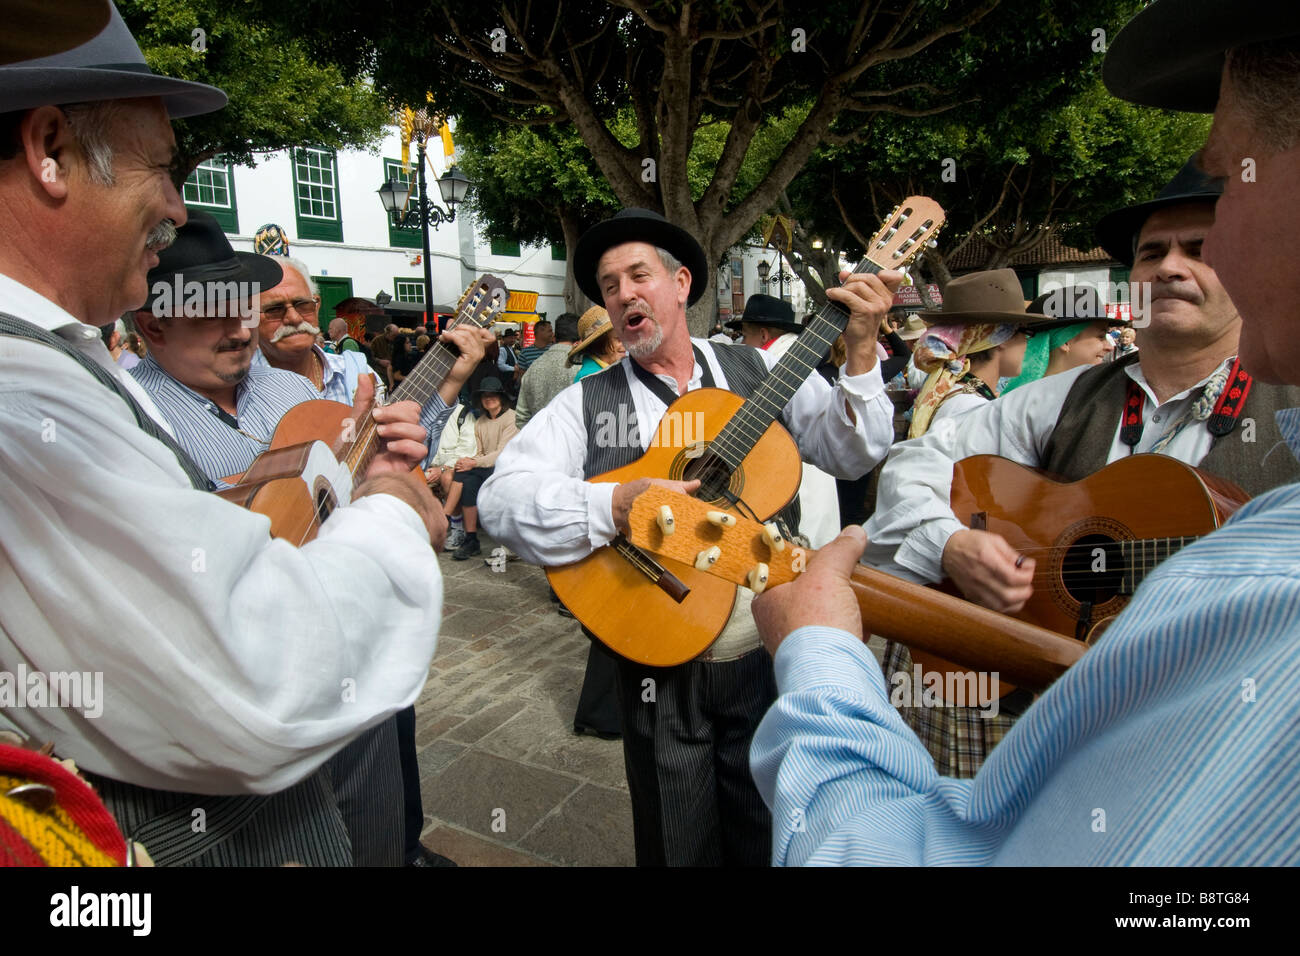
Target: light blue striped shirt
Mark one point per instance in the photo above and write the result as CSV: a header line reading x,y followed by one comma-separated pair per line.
x,y
261,400
1174,741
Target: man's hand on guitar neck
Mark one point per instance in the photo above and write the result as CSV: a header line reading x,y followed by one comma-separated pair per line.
x,y
867,298
471,342
988,570
626,493
398,426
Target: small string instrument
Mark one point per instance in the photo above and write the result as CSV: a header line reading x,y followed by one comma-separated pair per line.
x,y
319,452
744,552
665,613
1093,540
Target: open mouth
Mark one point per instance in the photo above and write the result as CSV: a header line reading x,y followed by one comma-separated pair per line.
x,y
635,321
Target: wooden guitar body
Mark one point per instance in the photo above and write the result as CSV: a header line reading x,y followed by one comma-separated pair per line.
x,y
282,484
1093,539
626,610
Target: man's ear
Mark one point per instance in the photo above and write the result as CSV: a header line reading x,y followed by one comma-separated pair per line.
x,y
50,149
151,328
683,280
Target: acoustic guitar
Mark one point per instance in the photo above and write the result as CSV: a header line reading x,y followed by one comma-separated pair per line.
x,y
1093,540
319,452
740,551
666,613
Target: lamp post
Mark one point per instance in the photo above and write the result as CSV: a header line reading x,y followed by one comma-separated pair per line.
x,y
764,269
396,197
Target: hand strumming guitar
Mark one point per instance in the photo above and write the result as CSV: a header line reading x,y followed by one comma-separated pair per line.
x,y
626,493
988,570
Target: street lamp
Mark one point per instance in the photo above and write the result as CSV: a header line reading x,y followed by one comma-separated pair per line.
x,y
764,269
396,197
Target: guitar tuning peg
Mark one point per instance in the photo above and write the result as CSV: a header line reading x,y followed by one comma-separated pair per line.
x,y
665,520
772,536
758,578
707,558
721,519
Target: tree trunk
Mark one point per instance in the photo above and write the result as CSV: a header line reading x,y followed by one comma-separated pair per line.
x,y
575,300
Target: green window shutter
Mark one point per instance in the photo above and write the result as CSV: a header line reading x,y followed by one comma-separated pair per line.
x,y
559,253
316,194
408,290
505,247
403,237
1119,281
211,189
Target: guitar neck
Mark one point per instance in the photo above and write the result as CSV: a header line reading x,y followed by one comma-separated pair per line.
x,y
1142,555
742,432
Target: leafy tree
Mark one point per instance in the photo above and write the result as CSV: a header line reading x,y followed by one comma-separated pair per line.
x,y
281,94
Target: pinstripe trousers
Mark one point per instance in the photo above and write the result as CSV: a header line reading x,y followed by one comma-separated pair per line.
x,y
347,813
686,736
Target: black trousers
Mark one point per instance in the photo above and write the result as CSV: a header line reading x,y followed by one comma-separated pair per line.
x,y
598,707
686,736
413,807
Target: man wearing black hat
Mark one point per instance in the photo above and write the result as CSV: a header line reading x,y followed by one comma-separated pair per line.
x,y
1073,424
1156,748
692,796
209,614
766,320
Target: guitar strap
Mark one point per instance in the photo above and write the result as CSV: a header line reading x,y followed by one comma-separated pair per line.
x,y
1221,421
661,389
20,328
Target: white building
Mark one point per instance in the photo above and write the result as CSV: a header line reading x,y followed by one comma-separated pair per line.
x,y
328,206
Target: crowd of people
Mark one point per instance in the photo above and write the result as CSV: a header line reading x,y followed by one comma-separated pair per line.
x,y
274,685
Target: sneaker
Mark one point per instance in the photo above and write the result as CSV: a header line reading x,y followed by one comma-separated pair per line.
x,y
455,538
468,549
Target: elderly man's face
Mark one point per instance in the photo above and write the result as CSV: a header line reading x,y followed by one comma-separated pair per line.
x,y
287,325
644,300
117,221
1252,241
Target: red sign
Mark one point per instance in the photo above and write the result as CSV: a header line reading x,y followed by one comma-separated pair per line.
x,y
908,297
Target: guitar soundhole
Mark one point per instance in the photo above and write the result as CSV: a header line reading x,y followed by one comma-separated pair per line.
x,y
324,504
715,475
1093,569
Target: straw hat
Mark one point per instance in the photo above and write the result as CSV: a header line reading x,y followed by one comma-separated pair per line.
x,y
594,323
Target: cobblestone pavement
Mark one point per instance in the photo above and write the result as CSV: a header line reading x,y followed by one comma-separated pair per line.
x,y
504,779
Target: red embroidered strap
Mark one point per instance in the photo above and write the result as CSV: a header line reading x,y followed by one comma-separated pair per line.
x,y
1130,433
1231,401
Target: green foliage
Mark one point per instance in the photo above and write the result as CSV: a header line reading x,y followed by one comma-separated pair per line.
x,y
280,94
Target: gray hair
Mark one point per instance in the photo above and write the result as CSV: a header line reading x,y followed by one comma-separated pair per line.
x,y
286,262
1266,78
90,124
668,259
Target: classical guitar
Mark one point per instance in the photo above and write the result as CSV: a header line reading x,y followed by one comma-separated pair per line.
x,y
318,452
743,552
1093,540
665,613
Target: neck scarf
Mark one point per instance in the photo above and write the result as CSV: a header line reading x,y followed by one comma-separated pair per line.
x,y
1038,353
942,353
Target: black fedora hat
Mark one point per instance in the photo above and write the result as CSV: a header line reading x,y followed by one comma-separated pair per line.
x,y
1067,306
1171,54
202,253
36,28
1117,231
109,67
489,385
770,311
638,225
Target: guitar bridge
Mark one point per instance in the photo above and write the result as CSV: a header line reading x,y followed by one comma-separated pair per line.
x,y
668,582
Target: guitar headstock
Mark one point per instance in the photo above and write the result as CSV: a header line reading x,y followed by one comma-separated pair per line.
x,y
913,223
482,302
742,545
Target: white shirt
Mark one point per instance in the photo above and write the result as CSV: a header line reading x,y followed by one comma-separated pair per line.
x,y
957,405
913,521
538,504
230,662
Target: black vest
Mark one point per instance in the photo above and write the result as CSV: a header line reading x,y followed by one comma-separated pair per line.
x,y
1248,456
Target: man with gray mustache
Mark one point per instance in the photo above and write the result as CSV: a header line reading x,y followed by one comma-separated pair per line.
x,y
1073,424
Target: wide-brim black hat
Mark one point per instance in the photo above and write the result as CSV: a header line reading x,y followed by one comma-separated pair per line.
x,y
638,225
37,28
1171,54
1068,306
1116,231
768,310
109,67
490,385
202,253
